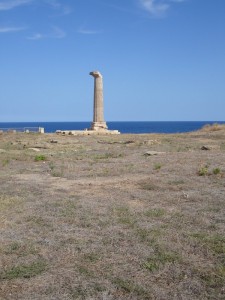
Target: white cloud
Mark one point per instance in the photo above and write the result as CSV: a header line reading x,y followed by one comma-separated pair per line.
x,y
11,29
54,4
57,5
158,8
10,4
56,33
88,31
36,36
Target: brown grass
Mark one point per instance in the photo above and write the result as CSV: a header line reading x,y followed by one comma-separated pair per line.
x,y
97,219
213,127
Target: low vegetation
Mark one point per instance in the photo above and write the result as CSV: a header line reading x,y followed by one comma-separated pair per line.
x,y
213,127
92,217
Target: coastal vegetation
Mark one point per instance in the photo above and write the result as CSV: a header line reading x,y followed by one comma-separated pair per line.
x,y
93,217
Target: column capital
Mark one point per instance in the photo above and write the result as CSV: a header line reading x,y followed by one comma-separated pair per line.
x,y
95,74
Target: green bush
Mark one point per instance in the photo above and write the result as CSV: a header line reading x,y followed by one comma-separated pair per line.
x,y
216,171
203,171
40,157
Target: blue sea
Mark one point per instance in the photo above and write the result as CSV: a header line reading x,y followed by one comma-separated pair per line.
x,y
123,127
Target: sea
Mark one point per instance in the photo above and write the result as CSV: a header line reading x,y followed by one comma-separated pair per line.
x,y
124,127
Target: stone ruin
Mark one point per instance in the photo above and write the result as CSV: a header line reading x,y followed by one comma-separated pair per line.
x,y
98,125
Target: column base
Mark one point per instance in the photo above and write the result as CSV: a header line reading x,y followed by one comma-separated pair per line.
x,y
99,126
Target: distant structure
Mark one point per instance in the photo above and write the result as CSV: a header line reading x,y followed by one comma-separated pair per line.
x,y
98,126
98,123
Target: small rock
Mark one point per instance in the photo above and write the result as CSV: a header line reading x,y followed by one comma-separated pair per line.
x,y
151,153
53,141
129,142
35,149
205,148
150,142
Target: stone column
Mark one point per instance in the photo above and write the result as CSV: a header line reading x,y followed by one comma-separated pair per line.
x,y
98,117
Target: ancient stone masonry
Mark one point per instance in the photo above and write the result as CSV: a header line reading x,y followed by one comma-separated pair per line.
x,y
98,126
98,123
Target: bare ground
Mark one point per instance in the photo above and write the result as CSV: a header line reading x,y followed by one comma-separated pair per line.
x,y
95,218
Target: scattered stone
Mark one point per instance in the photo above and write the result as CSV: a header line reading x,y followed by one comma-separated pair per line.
x,y
2,150
151,153
116,142
129,142
53,141
11,131
151,142
205,148
34,149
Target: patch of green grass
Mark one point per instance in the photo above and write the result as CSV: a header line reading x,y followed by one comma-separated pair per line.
x,y
148,186
130,287
85,271
215,243
214,279
216,171
92,257
124,216
25,271
20,249
160,258
143,234
5,162
157,166
155,212
13,248
68,208
40,157
37,220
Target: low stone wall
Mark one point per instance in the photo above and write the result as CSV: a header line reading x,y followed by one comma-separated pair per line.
x,y
87,132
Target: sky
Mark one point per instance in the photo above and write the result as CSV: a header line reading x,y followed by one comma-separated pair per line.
x,y
161,60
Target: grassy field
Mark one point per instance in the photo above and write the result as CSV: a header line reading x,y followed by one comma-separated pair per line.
x,y
98,217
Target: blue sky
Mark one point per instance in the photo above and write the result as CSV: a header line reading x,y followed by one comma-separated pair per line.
x,y
160,59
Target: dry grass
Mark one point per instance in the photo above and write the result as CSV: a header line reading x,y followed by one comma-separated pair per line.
x,y
94,218
213,127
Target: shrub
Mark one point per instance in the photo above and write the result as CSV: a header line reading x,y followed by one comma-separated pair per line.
x,y
213,127
203,171
216,171
40,157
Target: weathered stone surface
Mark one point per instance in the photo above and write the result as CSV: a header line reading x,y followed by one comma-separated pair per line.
x,y
98,123
35,149
205,148
87,132
98,126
